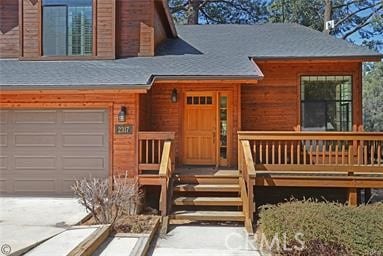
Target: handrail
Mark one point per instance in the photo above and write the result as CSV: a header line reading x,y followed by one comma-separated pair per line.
x,y
246,181
165,173
248,158
166,162
308,135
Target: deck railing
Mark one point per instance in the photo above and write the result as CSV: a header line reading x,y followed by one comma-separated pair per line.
x,y
156,154
350,152
150,148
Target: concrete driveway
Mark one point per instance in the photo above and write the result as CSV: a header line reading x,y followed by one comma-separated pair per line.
x,y
27,220
197,240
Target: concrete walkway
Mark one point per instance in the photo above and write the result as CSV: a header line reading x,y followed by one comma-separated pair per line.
x,y
205,241
27,220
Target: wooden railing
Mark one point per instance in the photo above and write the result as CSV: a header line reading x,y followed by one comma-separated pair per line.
x,y
246,182
156,154
351,152
150,148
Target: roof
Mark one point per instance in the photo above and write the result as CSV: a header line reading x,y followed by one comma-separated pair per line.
x,y
207,51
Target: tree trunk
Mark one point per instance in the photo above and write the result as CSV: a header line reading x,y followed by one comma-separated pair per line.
x,y
193,10
327,14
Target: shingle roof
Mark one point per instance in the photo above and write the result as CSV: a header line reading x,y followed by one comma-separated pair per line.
x,y
209,51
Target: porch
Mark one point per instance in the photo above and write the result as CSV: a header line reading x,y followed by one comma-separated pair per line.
x,y
350,160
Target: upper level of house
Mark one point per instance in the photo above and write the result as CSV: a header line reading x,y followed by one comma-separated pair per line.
x,y
82,29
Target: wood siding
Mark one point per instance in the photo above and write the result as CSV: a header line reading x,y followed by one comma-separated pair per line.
x,y
159,23
121,28
31,32
163,115
30,28
273,104
105,16
134,28
9,29
122,147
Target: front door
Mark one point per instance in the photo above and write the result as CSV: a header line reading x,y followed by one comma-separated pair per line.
x,y
200,128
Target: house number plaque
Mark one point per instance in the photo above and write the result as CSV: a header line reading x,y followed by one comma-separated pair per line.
x,y
123,129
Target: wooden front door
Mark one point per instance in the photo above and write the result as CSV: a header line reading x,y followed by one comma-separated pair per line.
x,y
200,128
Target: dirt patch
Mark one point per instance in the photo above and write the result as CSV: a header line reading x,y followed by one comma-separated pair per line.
x,y
132,224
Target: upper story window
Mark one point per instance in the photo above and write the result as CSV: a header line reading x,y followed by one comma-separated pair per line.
x,y
67,27
326,103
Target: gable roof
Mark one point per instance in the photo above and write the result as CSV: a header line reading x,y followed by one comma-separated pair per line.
x,y
270,41
201,51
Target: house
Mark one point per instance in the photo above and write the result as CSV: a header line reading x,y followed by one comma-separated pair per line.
x,y
105,87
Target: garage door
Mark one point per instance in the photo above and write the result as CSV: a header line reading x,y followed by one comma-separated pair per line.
x,y
44,151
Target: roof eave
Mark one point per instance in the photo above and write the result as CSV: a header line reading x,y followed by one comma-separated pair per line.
x,y
356,58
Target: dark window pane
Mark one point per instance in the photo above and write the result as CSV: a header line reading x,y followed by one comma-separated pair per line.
x,y
54,30
195,100
202,100
314,115
189,100
326,103
209,100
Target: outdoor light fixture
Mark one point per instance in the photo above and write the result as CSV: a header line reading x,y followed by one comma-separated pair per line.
x,y
174,95
122,114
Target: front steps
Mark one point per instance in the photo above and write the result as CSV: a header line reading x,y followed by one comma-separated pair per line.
x,y
210,197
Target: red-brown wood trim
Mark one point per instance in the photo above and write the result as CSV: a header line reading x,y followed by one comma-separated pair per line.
x,y
21,28
72,91
320,60
111,140
94,28
114,10
136,131
176,80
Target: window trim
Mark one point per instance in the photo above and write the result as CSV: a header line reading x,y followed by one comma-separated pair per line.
x,y
69,57
299,92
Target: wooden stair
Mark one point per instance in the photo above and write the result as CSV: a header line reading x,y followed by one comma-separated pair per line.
x,y
210,197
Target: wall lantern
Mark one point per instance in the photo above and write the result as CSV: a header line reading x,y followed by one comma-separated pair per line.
x,y
122,114
174,95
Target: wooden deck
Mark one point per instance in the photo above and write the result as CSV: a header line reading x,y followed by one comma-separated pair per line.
x,y
280,159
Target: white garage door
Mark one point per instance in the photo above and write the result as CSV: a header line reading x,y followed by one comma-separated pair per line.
x,y
44,151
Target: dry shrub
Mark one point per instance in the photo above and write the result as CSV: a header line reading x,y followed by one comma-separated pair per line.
x,y
319,248
105,205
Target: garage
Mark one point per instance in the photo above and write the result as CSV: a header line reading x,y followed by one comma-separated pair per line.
x,y
44,150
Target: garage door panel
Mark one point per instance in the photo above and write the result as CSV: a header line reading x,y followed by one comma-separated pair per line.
x,y
3,162
35,116
35,139
3,139
83,163
46,150
4,116
35,162
35,185
84,140
84,117
3,185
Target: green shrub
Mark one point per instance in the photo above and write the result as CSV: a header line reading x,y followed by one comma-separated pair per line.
x,y
359,230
